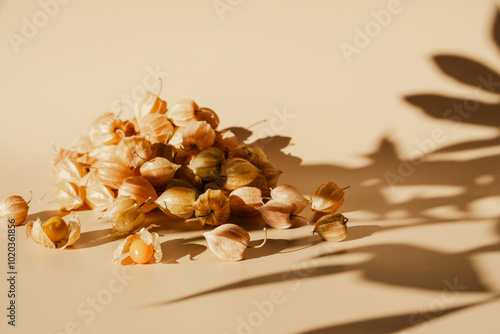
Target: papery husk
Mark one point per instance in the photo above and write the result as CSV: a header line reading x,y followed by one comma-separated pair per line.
x,y
177,142
150,238
212,208
140,189
237,173
132,127
119,204
261,157
69,170
162,150
105,152
332,227
271,173
209,116
107,129
292,194
98,196
177,202
226,141
34,229
276,213
134,151
156,128
327,198
186,173
149,103
128,221
182,112
112,172
90,178
158,171
62,153
81,145
244,201
261,183
14,207
228,242
68,195
206,164
197,136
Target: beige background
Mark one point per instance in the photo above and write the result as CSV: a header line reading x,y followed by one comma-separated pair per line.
x,y
349,121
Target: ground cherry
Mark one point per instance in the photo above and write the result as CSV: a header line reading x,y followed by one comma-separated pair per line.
x,y
56,229
141,252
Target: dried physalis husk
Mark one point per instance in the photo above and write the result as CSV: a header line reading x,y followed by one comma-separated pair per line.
x,y
185,173
197,136
149,103
261,183
14,208
134,151
237,173
206,164
332,227
327,198
158,171
62,153
105,152
129,220
98,196
177,202
140,189
140,247
108,129
81,145
182,112
209,116
212,208
244,201
68,195
162,150
229,242
120,204
226,140
261,157
291,194
276,213
69,170
176,141
112,172
55,232
131,127
271,173
157,128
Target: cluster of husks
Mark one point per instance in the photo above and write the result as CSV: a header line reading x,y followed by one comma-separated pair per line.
x,y
177,160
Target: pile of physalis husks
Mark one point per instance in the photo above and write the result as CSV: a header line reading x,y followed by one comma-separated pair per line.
x,y
176,160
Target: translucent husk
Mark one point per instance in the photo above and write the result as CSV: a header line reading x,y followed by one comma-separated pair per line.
x,y
244,201
69,170
81,145
68,195
140,189
332,227
238,173
98,196
209,116
292,194
229,242
119,204
212,208
159,171
150,238
112,172
226,140
129,220
276,213
107,129
327,198
271,173
185,173
162,150
156,128
149,103
134,151
34,229
14,207
206,164
177,202
197,136
182,112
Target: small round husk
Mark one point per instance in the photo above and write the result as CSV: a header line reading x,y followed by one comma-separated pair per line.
x,y
150,238
276,213
209,116
14,208
68,195
332,227
237,173
212,208
244,201
177,202
134,151
156,128
98,196
292,194
107,129
112,172
149,103
119,204
197,136
327,198
159,171
182,112
206,164
140,189
34,229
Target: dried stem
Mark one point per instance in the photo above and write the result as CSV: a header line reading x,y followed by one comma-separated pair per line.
x,y
263,242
